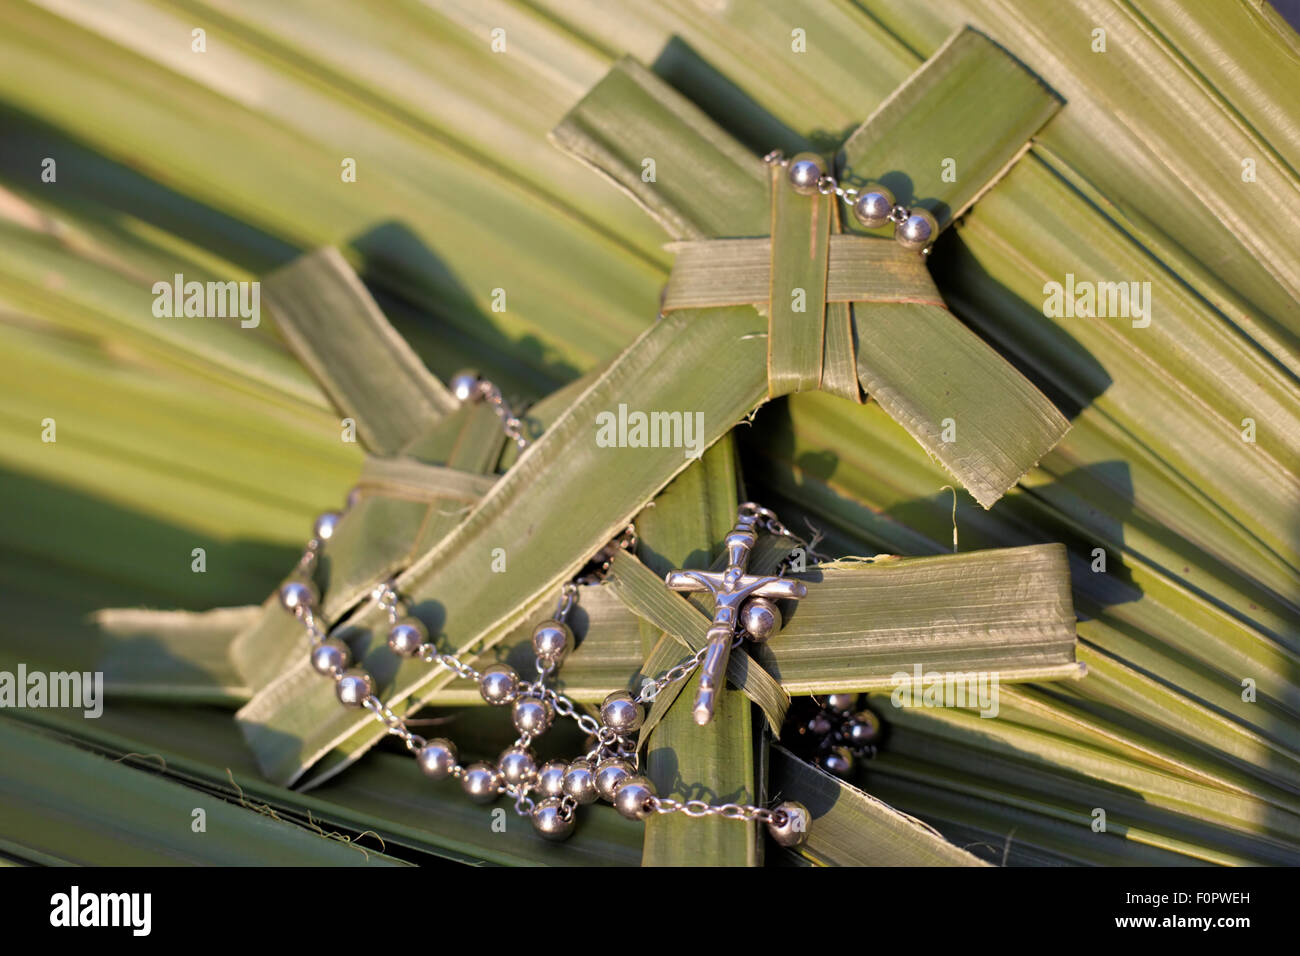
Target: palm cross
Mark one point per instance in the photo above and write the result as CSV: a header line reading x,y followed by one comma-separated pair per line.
x,y
414,430
742,602
847,313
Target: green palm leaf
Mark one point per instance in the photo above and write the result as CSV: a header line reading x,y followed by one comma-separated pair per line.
x,y
1170,155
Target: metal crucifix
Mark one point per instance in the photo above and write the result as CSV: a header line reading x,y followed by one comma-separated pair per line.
x,y
743,603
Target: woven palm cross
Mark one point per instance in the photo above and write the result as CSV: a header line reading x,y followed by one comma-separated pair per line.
x,y
847,313
780,249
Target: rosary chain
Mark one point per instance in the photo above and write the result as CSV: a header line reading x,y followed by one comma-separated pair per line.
x,y
511,423
651,689
609,769
728,811
915,228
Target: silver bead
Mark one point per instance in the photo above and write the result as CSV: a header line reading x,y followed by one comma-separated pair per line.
x,y
325,525
917,231
295,595
611,772
580,782
634,798
805,171
760,618
354,687
552,641
499,684
517,765
437,758
407,636
481,782
330,656
790,826
862,730
464,385
553,820
532,715
842,703
873,206
550,778
621,714
839,762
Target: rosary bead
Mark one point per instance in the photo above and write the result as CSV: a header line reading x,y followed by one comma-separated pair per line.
x,y
839,762
873,206
862,730
917,231
611,772
330,656
550,778
481,782
354,687
760,618
792,828
552,641
325,525
464,385
298,594
437,758
518,765
533,715
553,819
820,725
580,782
842,703
499,684
407,636
353,498
805,170
621,714
634,798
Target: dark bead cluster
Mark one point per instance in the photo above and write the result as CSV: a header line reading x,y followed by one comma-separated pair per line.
x,y
834,732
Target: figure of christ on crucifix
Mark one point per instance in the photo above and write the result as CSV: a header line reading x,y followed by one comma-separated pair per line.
x,y
743,604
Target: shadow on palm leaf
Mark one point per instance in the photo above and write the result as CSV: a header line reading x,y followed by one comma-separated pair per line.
x,y
441,319
1058,364
92,186
810,483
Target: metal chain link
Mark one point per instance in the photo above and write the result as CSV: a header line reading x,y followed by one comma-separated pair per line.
x,y
770,522
395,724
310,554
651,689
565,707
568,597
524,804
728,811
314,630
512,424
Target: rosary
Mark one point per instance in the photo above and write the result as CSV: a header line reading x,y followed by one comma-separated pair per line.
x,y
744,608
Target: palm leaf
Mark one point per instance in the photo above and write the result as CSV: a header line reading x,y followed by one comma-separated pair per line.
x,y
194,433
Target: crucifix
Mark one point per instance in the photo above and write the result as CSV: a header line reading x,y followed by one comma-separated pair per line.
x,y
743,603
